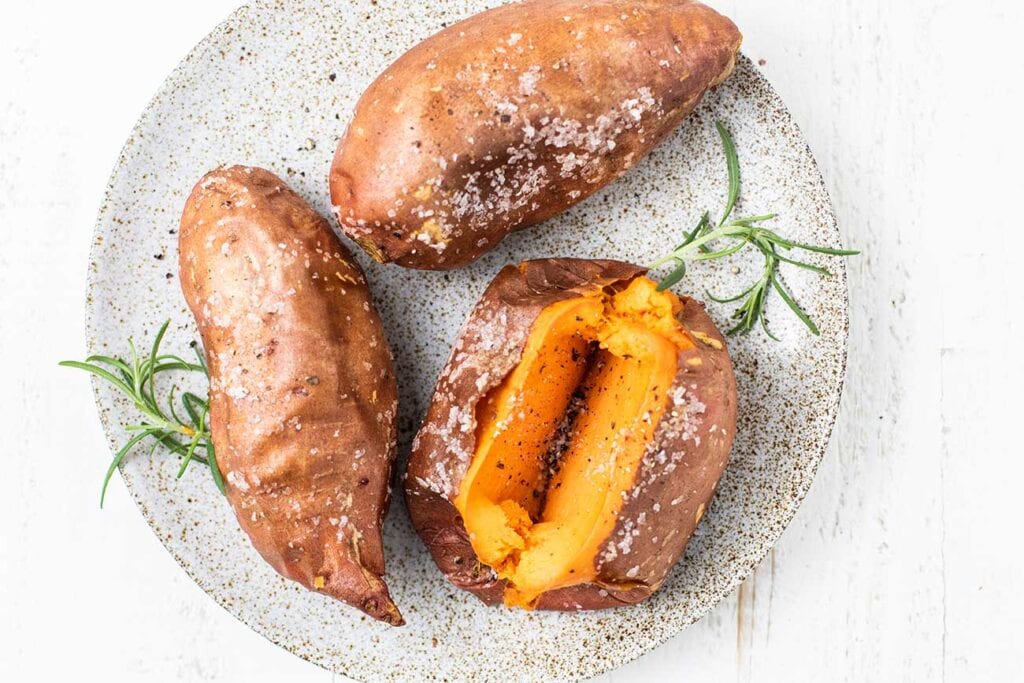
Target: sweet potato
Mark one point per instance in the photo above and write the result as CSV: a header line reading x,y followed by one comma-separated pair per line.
x,y
513,115
574,439
302,393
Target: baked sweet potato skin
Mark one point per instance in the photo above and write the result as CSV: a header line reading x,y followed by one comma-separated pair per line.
x,y
302,392
515,114
674,482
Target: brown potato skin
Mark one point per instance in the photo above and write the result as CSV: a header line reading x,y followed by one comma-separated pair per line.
x,y
671,489
515,114
302,392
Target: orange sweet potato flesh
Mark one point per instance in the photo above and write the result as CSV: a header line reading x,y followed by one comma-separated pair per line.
x,y
541,530
517,419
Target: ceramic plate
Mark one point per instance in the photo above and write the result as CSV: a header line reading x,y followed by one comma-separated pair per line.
x,y
274,86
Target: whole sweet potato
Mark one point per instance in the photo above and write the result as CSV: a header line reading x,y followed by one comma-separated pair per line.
x,y
302,394
574,439
513,115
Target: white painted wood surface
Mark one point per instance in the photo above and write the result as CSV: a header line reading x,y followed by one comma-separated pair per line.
x,y
905,561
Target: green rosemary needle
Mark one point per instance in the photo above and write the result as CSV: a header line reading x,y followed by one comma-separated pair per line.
x,y
701,244
183,435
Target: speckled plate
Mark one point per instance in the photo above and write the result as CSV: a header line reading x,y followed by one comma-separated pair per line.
x,y
274,86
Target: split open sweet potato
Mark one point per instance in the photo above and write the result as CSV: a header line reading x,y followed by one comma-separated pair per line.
x,y
574,439
302,393
505,119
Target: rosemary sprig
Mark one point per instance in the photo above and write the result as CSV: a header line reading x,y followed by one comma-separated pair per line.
x,y
136,378
699,244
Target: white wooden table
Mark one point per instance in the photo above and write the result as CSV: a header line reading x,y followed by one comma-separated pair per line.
x,y
904,563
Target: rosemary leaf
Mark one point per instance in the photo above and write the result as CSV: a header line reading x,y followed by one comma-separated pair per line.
x,y
118,457
673,277
99,372
214,468
825,250
188,455
795,306
731,298
806,266
732,162
152,357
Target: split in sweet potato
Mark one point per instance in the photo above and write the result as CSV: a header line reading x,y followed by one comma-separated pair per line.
x,y
560,440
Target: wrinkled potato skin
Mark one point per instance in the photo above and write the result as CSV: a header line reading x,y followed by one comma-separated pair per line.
x,y
513,115
302,393
672,492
